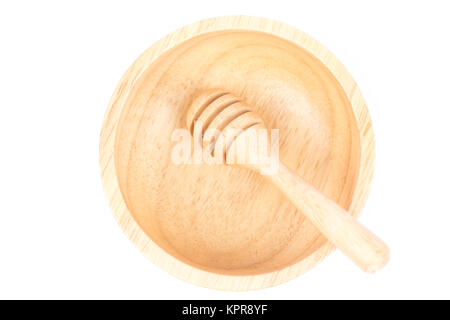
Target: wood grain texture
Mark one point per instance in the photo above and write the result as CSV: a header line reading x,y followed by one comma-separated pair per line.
x,y
221,227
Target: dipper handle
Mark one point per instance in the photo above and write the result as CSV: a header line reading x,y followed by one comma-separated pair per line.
x,y
368,251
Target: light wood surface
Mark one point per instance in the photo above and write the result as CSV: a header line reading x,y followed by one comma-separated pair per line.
x,y
219,226
234,122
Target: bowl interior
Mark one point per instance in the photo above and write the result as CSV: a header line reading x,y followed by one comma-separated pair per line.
x,y
224,219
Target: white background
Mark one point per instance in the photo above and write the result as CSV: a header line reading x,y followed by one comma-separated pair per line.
x,y
59,64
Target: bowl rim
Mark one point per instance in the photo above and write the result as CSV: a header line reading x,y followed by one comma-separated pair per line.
x,y
150,249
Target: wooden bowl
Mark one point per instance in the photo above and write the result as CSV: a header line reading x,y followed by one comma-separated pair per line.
x,y
220,226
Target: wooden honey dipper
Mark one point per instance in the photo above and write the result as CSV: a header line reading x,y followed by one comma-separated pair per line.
x,y
222,111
